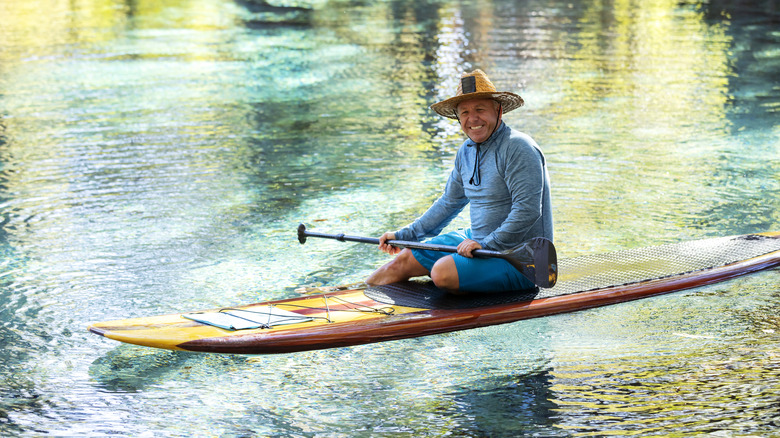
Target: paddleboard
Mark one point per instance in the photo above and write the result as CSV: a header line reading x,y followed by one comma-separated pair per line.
x,y
361,315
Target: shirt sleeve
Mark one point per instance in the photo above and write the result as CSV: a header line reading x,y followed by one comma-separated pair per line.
x,y
441,213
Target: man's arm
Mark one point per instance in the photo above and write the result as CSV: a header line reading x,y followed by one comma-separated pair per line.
x,y
440,214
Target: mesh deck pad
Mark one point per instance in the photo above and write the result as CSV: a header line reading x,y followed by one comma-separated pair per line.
x,y
618,268
428,296
585,273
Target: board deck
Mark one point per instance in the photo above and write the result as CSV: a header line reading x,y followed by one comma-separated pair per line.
x,y
374,314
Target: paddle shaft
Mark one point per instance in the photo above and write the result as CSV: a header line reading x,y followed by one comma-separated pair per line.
x,y
535,259
482,253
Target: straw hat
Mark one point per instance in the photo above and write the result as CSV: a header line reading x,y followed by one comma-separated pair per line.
x,y
476,85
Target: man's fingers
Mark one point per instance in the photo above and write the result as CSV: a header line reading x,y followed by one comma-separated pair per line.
x,y
466,247
392,250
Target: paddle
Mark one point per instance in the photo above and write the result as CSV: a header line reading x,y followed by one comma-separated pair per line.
x,y
524,257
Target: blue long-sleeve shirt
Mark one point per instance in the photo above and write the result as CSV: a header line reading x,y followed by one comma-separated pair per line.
x,y
509,195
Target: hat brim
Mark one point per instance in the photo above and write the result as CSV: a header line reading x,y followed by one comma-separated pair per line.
x,y
509,101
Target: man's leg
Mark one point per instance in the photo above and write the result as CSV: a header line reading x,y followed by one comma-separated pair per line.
x,y
418,262
485,275
445,274
403,267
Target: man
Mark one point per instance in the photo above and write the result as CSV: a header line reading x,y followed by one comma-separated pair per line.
x,y
503,174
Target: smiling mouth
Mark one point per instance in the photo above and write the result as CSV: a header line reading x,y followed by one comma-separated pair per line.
x,y
473,128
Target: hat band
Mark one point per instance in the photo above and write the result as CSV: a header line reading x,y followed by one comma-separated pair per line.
x,y
468,84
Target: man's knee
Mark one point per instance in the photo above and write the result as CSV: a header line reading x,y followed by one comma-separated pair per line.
x,y
406,263
445,274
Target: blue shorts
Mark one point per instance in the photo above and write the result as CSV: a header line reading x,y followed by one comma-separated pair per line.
x,y
474,274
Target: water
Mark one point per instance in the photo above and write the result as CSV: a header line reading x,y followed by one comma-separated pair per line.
x,y
157,156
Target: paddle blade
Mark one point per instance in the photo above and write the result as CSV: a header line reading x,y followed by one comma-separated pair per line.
x,y
537,260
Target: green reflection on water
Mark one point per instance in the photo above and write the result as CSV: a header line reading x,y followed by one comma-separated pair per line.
x,y
158,155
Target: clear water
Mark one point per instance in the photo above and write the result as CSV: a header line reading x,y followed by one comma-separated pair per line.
x,y
157,156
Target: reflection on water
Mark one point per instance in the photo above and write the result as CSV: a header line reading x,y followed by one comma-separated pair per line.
x,y
706,353
670,390
157,156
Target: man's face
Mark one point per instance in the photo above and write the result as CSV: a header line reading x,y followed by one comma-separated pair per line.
x,y
478,118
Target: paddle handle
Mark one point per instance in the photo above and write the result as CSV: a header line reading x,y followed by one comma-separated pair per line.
x,y
303,234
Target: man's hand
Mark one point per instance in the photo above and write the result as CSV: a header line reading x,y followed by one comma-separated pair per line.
x,y
390,249
467,246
